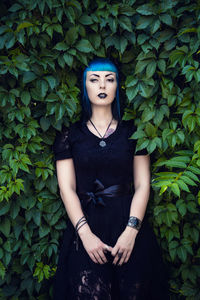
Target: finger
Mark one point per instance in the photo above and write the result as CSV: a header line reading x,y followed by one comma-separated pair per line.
x,y
121,261
107,248
127,256
115,250
93,258
98,258
117,257
102,256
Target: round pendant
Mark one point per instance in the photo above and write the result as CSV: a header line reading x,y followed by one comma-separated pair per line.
x,y
102,143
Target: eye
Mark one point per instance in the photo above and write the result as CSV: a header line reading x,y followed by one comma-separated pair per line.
x,y
93,80
111,80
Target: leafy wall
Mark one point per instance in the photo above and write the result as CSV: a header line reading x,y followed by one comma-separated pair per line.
x,y
45,45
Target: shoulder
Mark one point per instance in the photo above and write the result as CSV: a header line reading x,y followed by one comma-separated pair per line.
x,y
74,127
62,145
128,126
68,131
63,137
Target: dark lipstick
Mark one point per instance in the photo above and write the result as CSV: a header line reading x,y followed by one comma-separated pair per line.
x,y
102,95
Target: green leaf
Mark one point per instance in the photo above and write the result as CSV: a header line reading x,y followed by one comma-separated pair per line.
x,y
149,128
175,164
150,70
194,170
142,38
71,35
3,29
37,217
175,189
145,10
113,24
131,81
166,19
123,44
28,77
125,23
191,175
183,185
2,270
86,20
142,145
182,253
148,115
59,110
51,81
61,46
23,25
5,227
162,65
151,147
10,42
68,59
58,28
155,26
25,97
4,208
188,180
44,123
144,22
44,230
131,92
15,7
182,208
84,46
191,206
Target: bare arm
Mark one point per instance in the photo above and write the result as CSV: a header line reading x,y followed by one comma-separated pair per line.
x,y
142,186
67,184
126,241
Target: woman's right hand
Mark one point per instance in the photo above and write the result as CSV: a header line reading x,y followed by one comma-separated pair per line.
x,y
94,246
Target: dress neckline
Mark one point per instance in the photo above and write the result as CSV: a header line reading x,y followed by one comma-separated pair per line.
x,y
98,137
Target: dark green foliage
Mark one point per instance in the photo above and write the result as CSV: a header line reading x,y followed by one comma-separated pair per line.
x,y
45,45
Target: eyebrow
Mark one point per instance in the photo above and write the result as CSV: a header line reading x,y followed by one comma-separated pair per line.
x,y
99,76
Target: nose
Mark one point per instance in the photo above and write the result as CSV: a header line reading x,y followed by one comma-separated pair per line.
x,y
102,84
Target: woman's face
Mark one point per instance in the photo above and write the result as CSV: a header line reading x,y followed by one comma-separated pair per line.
x,y
101,87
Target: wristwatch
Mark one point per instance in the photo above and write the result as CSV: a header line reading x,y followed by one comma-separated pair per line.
x,y
134,223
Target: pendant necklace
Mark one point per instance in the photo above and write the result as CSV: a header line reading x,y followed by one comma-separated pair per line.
x,y
102,143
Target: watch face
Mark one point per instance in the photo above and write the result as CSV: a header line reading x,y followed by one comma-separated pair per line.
x,y
135,222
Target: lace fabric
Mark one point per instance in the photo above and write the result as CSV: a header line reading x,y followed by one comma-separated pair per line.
x,y
92,287
89,286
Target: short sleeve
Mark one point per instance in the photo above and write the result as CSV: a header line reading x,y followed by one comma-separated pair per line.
x,y
141,152
61,146
133,142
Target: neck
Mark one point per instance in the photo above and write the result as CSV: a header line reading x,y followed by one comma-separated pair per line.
x,y
101,115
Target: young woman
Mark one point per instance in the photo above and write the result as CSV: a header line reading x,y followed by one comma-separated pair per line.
x,y
108,250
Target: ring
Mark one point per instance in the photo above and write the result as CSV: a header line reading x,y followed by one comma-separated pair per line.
x,y
119,254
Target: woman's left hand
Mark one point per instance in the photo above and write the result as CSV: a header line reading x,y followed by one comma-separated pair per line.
x,y
124,246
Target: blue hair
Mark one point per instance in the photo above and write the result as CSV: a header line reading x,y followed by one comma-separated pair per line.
x,y
100,64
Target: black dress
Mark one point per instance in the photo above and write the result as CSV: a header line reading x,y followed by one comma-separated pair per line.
x,y
77,276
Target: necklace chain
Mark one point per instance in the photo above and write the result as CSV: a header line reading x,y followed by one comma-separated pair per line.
x,y
97,129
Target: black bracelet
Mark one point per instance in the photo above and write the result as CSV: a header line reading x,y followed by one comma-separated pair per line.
x,y
134,223
79,222
82,221
85,221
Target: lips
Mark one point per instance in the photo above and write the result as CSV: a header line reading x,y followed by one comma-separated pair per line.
x,y
102,95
